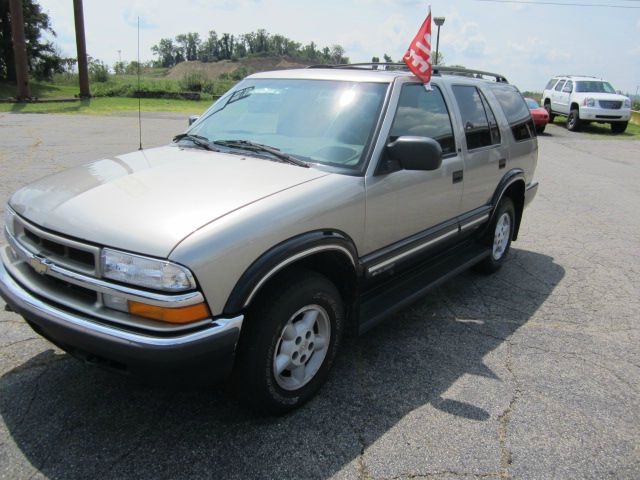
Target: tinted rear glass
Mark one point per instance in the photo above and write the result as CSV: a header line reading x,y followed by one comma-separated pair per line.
x,y
515,109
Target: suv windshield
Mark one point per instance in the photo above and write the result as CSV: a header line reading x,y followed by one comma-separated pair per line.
x,y
594,86
320,121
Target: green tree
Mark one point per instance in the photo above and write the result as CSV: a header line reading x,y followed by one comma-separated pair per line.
x,y
166,52
43,57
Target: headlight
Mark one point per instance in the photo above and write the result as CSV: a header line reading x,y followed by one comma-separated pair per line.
x,y
627,103
9,218
589,102
145,272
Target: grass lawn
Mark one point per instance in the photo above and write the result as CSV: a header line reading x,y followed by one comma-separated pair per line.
x,y
603,130
41,90
109,106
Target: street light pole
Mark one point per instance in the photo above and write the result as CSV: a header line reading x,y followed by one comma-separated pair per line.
x,y
439,22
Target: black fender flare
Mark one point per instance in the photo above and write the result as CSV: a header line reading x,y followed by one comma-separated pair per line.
x,y
509,178
285,254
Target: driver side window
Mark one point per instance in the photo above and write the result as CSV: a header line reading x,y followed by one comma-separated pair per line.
x,y
423,113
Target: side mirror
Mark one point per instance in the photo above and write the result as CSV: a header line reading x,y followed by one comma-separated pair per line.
x,y
193,119
416,153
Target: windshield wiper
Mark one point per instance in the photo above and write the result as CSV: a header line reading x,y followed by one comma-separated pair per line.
x,y
258,147
196,139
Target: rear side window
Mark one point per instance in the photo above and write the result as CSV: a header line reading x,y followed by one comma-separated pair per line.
x,y
480,127
551,83
423,113
559,86
568,87
515,109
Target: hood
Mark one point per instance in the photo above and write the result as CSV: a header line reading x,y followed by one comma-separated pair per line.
x,y
147,201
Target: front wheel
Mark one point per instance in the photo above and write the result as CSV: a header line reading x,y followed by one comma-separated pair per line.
x,y
619,127
289,342
499,236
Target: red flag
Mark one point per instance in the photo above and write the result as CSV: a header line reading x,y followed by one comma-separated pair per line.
x,y
418,56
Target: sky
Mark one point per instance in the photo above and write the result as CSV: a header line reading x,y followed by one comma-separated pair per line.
x,y
526,43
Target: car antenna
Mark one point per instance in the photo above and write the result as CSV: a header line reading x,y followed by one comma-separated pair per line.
x,y
139,99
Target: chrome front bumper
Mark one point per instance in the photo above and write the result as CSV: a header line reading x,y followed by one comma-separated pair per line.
x,y
212,347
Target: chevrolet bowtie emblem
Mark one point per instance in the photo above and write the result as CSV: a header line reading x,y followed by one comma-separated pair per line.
x,y
39,265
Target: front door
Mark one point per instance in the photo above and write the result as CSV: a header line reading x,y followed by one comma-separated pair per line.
x,y
406,202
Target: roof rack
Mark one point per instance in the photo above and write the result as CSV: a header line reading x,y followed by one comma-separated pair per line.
x,y
573,76
437,70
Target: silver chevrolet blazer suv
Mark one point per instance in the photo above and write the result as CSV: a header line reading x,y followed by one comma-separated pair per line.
x,y
302,206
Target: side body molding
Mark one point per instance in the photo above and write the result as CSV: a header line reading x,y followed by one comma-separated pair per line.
x,y
285,254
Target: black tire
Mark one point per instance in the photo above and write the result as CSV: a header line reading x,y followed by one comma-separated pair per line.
x,y
573,120
494,262
619,127
547,107
540,129
254,377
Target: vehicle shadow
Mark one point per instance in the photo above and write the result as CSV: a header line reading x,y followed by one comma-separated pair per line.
x,y
73,421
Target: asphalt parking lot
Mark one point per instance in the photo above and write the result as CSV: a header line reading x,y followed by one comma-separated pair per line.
x,y
531,373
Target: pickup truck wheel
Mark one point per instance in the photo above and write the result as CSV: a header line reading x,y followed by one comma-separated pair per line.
x,y
573,121
289,342
547,107
619,127
499,236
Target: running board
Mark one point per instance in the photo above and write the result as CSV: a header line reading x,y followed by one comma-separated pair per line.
x,y
403,289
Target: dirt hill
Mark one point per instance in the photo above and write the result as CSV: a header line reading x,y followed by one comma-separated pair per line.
x,y
214,70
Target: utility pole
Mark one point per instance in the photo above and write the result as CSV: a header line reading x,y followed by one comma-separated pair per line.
x,y
19,50
81,45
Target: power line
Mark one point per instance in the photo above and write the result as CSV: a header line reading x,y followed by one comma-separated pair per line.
x,y
532,2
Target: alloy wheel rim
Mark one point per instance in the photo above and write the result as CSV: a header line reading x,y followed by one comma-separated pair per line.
x,y
302,347
501,236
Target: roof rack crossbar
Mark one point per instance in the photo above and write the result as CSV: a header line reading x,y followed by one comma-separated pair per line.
x,y
437,69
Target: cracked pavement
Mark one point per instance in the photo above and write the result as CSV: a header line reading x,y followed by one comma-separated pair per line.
x,y
531,373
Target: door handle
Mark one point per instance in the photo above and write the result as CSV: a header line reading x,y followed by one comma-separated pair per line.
x,y
457,176
502,163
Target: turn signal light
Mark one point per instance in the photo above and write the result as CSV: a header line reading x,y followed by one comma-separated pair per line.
x,y
188,314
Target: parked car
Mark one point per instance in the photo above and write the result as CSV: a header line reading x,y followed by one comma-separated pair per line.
x,y
304,204
584,100
539,114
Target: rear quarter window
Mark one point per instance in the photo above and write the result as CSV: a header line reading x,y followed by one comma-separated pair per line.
x,y
515,109
551,83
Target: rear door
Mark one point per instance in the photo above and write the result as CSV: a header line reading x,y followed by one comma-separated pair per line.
x,y
483,150
564,96
556,96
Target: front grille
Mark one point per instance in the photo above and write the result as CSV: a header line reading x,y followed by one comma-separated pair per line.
x,y
608,117
610,104
52,249
68,253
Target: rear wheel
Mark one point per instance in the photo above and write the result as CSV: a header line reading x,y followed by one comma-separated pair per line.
x,y
547,107
499,236
619,127
573,121
540,128
289,343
